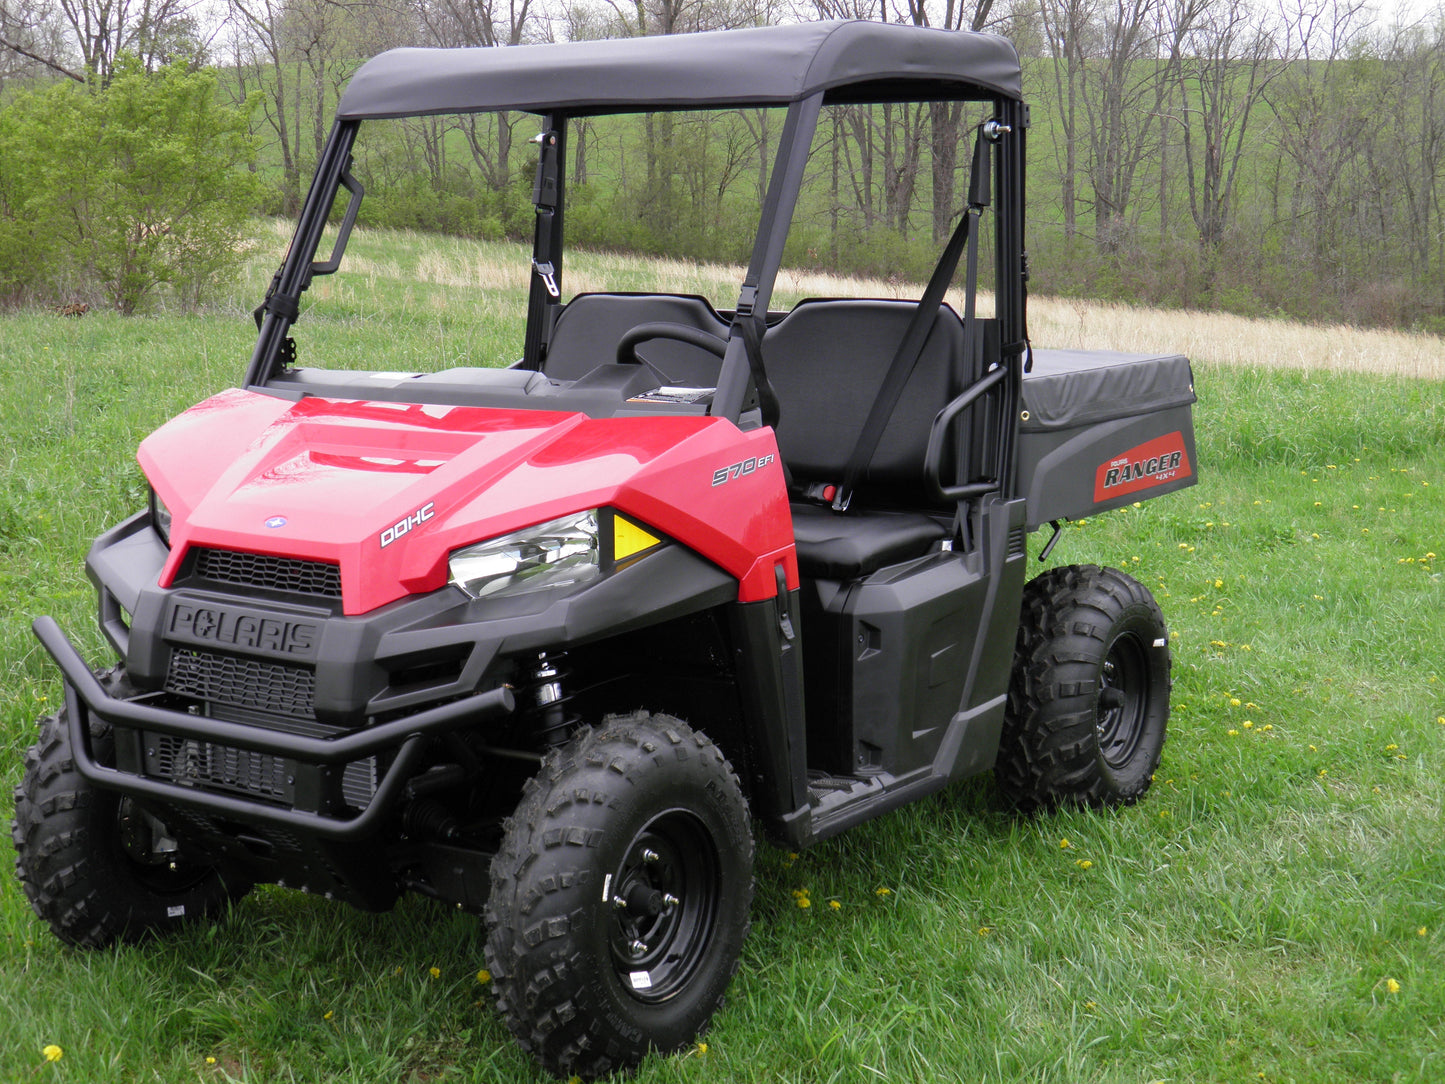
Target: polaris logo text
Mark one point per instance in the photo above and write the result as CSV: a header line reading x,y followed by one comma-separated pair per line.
x,y
416,519
1153,463
211,625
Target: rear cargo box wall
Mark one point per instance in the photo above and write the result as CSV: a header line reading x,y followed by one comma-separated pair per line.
x,y
1060,469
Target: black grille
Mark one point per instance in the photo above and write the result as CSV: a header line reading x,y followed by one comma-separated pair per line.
x,y
243,683
292,575
203,764
212,767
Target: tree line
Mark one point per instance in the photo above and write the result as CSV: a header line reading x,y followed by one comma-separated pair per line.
x,y
1262,156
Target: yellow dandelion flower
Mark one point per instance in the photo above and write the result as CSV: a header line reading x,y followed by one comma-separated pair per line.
x,y
484,976
1090,1005
835,905
434,972
1218,584
1391,747
1422,931
1267,726
984,931
328,1014
702,1048
882,892
1084,863
1232,732
1392,986
1248,724
804,902
210,1060
1234,701
53,1052
1441,720
1323,773
1064,844
800,893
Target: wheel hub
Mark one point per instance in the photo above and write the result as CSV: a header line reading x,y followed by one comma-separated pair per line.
x,y
1123,700
664,909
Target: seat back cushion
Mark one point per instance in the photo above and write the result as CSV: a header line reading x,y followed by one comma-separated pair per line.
x,y
590,326
827,361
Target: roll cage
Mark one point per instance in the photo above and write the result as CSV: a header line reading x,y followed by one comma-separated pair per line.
x,y
801,68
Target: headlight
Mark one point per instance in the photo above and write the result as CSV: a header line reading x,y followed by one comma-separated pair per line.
x,y
161,518
560,553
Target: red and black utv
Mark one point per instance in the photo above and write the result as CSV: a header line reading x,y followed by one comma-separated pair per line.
x,y
545,641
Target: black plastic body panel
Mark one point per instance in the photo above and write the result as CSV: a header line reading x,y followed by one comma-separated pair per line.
x,y
358,659
907,674
1099,430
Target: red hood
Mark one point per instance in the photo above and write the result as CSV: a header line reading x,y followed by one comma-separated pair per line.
x,y
333,481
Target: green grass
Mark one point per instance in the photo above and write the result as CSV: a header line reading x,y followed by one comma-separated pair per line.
x,y
1246,918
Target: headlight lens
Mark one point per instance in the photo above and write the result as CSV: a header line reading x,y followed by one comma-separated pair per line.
x,y
161,518
560,553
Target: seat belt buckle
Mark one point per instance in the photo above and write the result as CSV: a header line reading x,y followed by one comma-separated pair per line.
x,y
548,277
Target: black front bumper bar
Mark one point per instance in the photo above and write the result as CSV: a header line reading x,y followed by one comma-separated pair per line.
x,y
85,696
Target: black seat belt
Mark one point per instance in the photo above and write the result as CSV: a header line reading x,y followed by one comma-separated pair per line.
x,y
919,325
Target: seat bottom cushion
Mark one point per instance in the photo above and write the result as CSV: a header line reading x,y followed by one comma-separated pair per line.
x,y
841,547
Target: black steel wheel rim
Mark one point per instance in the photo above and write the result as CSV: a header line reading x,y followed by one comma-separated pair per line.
x,y
1123,700
153,856
662,904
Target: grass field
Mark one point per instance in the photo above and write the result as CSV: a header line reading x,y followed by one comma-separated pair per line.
x,y
1273,910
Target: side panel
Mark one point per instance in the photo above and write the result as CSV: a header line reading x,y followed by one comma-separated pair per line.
x,y
1081,471
895,658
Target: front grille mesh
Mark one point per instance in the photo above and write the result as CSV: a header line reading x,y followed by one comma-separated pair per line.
x,y
291,575
243,683
213,767
182,760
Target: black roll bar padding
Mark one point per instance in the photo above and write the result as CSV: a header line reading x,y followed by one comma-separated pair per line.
x,y
661,329
84,695
933,458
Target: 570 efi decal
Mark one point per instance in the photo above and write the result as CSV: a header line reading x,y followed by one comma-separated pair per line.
x,y
1152,463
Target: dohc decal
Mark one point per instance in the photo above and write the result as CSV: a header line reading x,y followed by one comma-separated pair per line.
x,y
1152,463
405,526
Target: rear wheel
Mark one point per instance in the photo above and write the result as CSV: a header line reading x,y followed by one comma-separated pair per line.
x,y
1089,698
620,896
96,866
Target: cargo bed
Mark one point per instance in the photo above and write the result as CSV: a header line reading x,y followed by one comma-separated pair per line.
x,y
1099,429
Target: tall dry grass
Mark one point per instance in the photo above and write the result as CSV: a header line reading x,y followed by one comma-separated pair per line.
x,y
500,268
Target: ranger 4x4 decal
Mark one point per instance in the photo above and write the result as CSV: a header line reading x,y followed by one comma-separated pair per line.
x,y
1149,464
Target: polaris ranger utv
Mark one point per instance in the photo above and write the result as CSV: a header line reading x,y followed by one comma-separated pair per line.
x,y
545,641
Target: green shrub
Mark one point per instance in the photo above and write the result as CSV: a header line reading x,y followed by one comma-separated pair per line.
x,y
124,190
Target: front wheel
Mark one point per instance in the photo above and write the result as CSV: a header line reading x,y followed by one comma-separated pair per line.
x,y
620,896
96,866
1088,702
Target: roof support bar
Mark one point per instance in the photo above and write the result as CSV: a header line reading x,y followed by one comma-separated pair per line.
x,y
545,293
736,390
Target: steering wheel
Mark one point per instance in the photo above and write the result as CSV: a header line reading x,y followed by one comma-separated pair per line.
x,y
627,345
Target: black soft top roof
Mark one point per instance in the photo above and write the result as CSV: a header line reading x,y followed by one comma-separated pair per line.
x,y
774,65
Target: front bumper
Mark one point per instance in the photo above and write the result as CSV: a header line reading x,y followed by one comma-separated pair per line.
x,y
317,808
